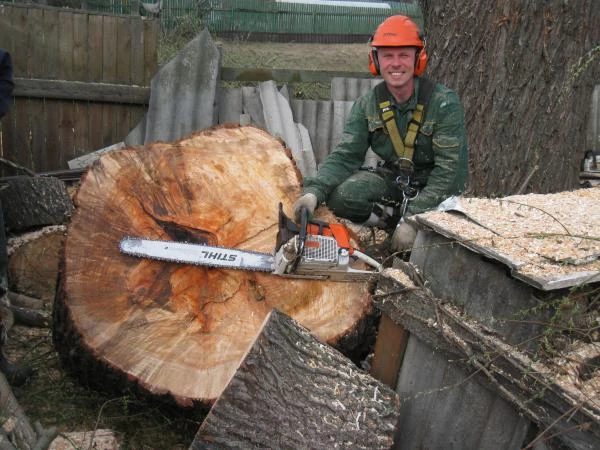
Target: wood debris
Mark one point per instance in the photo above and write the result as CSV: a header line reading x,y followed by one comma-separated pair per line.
x,y
546,236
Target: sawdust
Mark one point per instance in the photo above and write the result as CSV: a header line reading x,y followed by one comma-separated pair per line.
x,y
551,234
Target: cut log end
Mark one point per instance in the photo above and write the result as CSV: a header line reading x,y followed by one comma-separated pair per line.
x,y
180,330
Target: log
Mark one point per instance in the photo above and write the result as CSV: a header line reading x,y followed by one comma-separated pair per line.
x,y
293,392
176,331
29,202
33,262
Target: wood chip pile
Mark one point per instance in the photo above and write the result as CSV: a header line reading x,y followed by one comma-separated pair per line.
x,y
547,236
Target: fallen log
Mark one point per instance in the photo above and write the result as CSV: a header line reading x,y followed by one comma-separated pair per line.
x,y
293,392
175,330
29,202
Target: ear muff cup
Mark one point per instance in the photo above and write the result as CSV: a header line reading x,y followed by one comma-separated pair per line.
x,y
373,62
421,63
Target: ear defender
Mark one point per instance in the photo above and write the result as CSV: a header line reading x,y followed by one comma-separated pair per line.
x,y
373,62
421,62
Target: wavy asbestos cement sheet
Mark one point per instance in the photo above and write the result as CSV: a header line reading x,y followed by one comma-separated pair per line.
x,y
279,122
183,98
349,89
184,92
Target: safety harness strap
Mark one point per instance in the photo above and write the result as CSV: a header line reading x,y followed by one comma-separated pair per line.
x,y
405,149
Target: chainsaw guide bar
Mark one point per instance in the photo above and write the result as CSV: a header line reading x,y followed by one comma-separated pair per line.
x,y
312,250
198,254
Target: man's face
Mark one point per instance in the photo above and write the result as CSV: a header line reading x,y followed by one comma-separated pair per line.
x,y
397,65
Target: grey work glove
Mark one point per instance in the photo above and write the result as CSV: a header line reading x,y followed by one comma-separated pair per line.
x,y
403,237
308,201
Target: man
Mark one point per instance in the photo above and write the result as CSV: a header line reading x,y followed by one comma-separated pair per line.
x,y
417,128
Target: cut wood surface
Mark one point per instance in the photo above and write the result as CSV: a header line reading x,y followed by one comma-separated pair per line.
x,y
293,392
33,261
175,329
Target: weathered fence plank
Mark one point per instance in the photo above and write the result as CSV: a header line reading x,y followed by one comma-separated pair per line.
x,y
52,121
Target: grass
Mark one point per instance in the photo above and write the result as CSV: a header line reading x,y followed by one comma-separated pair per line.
x,y
238,53
53,397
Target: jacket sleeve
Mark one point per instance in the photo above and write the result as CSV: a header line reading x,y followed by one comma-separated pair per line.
x,y
345,159
449,141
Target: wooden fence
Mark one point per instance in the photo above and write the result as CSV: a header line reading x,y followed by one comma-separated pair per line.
x,y
81,81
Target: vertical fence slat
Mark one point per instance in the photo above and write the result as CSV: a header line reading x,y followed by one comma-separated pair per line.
x,y
123,69
137,51
95,51
53,43
80,72
150,50
66,50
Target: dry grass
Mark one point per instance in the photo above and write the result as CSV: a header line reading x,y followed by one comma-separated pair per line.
x,y
53,397
326,57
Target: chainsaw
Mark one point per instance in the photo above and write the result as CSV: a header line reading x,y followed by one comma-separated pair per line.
x,y
311,250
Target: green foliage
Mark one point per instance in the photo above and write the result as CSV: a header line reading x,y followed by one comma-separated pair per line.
x,y
572,317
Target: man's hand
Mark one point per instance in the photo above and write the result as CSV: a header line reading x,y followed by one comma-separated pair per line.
x,y
308,201
403,237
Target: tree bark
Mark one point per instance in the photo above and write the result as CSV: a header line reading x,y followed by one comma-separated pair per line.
x,y
30,202
525,72
292,392
175,330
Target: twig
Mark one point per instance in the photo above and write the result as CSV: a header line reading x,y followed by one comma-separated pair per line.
x,y
527,178
17,166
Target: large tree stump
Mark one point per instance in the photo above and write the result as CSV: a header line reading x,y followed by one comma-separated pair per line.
x,y
293,392
174,329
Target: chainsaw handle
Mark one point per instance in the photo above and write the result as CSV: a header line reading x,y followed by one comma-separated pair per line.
x,y
367,259
303,230
301,239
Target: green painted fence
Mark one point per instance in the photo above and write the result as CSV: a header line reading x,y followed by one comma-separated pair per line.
x,y
257,16
259,19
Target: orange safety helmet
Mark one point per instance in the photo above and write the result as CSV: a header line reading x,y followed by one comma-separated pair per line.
x,y
398,31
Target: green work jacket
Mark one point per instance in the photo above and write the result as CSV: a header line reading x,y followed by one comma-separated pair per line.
x,y
440,155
